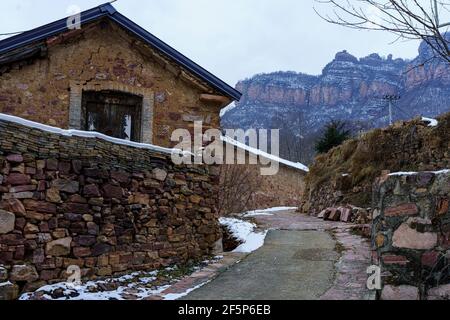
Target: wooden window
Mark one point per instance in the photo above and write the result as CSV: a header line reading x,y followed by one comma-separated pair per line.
x,y
115,114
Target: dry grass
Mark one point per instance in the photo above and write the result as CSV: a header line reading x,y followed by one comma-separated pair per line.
x,y
379,150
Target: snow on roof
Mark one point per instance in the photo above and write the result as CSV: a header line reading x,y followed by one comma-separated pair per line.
x,y
266,155
86,134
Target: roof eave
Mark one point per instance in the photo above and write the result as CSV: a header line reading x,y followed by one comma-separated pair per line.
x,y
107,10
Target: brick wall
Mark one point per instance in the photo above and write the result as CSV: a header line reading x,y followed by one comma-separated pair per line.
x,y
411,235
105,207
102,56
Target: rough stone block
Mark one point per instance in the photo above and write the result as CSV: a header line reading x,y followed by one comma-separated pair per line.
x,y
24,273
8,291
59,248
439,293
7,221
403,292
408,209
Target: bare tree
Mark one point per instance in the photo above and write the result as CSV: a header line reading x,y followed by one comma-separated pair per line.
x,y
407,19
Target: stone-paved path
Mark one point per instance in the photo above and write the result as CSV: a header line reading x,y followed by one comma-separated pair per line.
x,y
303,258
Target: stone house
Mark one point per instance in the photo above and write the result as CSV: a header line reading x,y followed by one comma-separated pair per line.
x,y
104,205
109,75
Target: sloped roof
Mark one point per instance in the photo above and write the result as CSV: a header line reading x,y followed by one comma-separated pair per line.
x,y
108,11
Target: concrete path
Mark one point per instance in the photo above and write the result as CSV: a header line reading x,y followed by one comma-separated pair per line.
x,y
304,258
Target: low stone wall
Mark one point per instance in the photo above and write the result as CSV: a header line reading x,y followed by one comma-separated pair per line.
x,y
411,234
104,207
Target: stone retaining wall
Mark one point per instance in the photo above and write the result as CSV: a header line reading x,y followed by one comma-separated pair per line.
x,y
104,207
411,234
345,174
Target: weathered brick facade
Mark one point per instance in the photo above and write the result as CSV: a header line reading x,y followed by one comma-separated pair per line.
x,y
103,56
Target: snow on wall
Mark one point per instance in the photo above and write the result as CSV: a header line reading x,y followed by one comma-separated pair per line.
x,y
86,134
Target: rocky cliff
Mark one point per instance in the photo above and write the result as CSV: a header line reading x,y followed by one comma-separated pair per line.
x,y
349,89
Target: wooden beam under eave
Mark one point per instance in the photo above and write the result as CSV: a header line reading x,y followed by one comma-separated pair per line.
x,y
212,98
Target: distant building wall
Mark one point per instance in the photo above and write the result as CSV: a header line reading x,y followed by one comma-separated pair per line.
x,y
285,189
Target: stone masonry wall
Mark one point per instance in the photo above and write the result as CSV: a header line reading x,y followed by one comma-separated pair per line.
x,y
102,56
345,175
411,234
104,207
285,189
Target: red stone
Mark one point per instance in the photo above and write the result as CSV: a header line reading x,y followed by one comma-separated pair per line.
x,y
42,185
6,257
24,188
81,252
443,206
52,164
91,191
100,249
430,259
85,241
346,215
408,209
19,254
78,208
76,198
16,179
48,275
64,167
120,176
335,215
394,259
15,158
29,170
110,191
323,213
40,206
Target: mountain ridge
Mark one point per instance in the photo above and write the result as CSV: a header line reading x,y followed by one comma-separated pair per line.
x,y
349,89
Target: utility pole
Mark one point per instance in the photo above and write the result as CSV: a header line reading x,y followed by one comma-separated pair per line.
x,y
391,99
436,16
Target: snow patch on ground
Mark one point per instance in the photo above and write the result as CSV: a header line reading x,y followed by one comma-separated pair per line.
x,y
245,232
416,173
134,286
85,292
267,212
433,122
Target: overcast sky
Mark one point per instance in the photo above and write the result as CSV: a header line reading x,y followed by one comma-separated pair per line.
x,y
234,39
